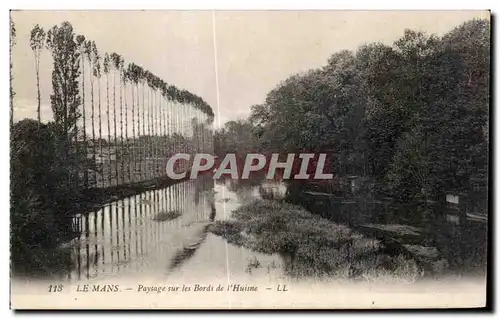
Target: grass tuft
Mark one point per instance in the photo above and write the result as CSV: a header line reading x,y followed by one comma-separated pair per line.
x,y
314,246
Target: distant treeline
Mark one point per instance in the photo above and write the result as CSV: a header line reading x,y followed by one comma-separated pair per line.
x,y
411,117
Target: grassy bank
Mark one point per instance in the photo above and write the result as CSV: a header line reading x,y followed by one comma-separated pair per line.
x,y
314,246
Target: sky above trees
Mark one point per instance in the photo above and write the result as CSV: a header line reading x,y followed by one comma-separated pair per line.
x,y
255,50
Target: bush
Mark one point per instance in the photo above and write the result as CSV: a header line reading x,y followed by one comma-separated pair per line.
x,y
43,186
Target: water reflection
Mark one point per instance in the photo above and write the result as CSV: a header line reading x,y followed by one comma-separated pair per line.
x,y
158,234
188,251
127,235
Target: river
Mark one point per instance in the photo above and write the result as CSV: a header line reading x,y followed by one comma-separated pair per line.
x,y
161,234
160,238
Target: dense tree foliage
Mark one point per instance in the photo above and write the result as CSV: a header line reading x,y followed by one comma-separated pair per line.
x,y
42,195
65,99
413,117
236,137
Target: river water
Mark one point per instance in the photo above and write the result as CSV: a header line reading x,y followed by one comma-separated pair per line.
x,y
162,234
161,238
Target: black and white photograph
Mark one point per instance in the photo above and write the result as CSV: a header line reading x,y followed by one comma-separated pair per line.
x,y
249,159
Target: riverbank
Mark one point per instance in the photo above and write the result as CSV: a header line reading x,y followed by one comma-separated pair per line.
x,y
314,246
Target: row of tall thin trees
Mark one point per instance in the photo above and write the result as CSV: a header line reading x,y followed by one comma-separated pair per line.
x,y
131,125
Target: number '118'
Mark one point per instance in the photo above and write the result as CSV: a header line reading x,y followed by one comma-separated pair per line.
x,y
55,288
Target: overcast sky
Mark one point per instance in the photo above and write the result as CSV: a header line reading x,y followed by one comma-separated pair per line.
x,y
255,50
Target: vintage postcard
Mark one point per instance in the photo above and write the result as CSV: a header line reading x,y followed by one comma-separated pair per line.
x,y
249,159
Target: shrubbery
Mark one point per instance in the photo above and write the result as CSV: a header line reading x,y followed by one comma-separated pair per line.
x,y
44,186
